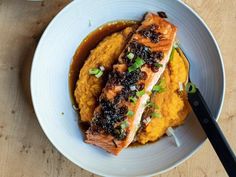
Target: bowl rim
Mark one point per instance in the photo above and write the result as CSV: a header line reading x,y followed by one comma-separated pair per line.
x,y
62,12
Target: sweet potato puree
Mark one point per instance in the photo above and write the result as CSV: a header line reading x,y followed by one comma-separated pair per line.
x,y
173,106
88,87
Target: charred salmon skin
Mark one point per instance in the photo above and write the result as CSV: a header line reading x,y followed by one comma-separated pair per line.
x,y
127,91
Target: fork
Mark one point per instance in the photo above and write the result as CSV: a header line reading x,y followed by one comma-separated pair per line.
x,y
209,124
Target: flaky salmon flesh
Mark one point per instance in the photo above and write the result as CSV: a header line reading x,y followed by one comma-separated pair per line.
x,y
127,91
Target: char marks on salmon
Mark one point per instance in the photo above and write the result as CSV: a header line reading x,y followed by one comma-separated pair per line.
x,y
139,67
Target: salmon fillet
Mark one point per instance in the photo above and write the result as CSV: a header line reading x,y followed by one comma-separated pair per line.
x,y
123,99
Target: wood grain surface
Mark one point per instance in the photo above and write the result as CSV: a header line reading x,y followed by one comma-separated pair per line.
x,y
25,150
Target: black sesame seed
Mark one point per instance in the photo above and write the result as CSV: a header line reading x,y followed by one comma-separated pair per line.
x,y
141,86
149,32
112,113
123,110
143,75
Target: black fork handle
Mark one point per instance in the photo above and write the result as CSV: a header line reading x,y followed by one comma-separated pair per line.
x,y
213,132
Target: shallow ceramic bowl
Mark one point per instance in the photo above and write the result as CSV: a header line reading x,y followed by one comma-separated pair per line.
x,y
50,89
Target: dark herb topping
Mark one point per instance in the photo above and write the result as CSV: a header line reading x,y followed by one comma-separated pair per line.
x,y
108,117
125,79
140,86
150,32
143,52
112,116
162,14
111,113
143,75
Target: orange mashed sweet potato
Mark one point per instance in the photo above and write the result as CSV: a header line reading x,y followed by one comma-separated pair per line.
x,y
88,87
173,106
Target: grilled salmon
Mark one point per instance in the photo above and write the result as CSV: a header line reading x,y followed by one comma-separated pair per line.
x,y
127,91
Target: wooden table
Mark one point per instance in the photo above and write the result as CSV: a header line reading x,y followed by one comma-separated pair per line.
x,y
24,148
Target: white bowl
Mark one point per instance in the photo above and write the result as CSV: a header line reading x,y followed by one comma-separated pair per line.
x,y
50,89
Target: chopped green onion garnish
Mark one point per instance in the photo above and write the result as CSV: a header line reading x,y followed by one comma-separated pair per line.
x,y
97,72
147,120
75,107
132,87
130,113
150,104
102,68
181,86
133,99
137,64
190,88
139,61
132,68
124,124
172,54
130,56
158,65
170,132
156,106
155,115
94,71
140,93
158,88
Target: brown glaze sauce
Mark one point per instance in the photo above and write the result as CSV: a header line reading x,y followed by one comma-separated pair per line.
x,y
89,43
